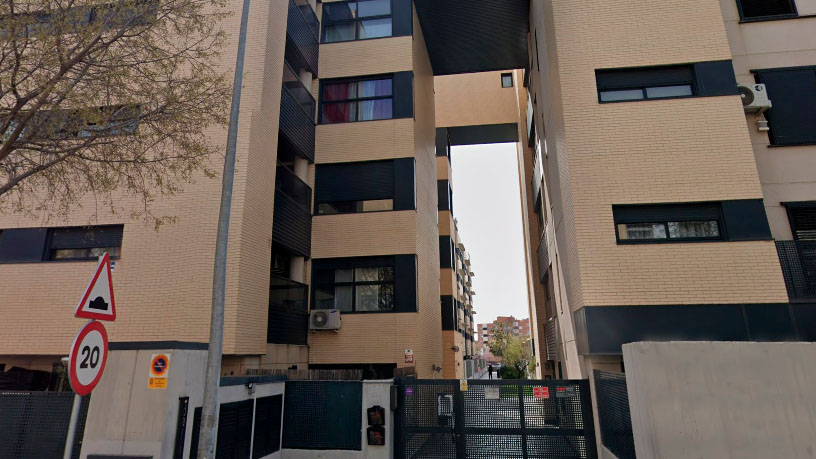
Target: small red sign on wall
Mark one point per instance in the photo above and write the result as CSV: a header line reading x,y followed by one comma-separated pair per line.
x,y
541,392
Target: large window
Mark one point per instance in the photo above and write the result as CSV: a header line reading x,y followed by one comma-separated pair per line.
x,y
358,100
366,289
793,93
369,186
766,9
356,20
668,223
23,245
619,85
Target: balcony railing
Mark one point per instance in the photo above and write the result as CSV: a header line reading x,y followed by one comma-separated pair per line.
x,y
288,312
297,128
301,36
543,257
551,337
798,260
292,227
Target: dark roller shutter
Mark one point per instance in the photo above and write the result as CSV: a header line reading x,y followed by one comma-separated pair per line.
x,y
402,15
448,312
643,77
22,244
404,188
86,237
666,212
446,253
803,221
268,412
404,95
442,142
354,181
715,78
234,430
793,95
751,9
443,195
405,283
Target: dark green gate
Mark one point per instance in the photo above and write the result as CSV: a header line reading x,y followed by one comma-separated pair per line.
x,y
494,419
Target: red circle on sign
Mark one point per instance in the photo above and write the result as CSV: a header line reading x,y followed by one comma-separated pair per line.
x,y
77,385
163,366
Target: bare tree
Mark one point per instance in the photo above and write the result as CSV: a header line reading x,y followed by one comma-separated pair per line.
x,y
107,98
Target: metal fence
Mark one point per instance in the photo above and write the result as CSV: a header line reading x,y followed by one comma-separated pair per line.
x,y
613,414
33,425
798,260
492,419
323,415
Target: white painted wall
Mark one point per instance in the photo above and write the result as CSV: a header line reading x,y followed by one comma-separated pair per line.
x,y
722,399
374,393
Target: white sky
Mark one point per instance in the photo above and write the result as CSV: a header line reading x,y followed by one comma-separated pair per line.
x,y
487,205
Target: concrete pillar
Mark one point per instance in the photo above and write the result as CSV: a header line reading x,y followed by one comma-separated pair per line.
x,y
301,168
297,271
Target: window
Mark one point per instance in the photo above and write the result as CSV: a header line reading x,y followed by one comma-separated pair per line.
x,y
766,9
83,243
369,289
360,100
507,80
668,223
645,83
802,218
356,20
793,94
370,186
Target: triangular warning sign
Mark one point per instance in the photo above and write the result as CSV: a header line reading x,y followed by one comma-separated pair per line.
x,y
97,302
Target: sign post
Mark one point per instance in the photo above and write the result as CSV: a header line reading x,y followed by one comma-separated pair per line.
x,y
89,353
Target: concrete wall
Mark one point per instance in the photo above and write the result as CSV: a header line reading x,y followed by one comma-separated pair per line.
x,y
722,400
374,393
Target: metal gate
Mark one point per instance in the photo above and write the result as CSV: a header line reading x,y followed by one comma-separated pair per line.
x,y
436,419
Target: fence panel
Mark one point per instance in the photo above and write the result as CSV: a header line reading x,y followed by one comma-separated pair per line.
x,y
613,414
34,424
323,415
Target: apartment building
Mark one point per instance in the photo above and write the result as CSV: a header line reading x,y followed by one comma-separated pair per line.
x,y
518,327
660,201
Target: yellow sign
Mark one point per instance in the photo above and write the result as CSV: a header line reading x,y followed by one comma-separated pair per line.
x,y
463,384
157,383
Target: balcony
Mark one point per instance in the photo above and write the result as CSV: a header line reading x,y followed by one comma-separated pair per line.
x,y
543,257
551,338
302,29
798,260
297,125
292,227
288,312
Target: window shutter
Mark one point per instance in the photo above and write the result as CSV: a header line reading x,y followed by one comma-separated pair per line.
x,y
666,212
766,8
404,95
234,429
354,181
402,17
446,252
642,77
448,312
405,283
793,94
745,220
803,222
404,184
715,78
86,237
443,195
22,244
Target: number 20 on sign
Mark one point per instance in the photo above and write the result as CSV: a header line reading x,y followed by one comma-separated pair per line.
x,y
88,357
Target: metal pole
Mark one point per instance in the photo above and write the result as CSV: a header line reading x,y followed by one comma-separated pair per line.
x,y
69,440
209,410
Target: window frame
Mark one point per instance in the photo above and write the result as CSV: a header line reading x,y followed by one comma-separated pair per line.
x,y
354,284
692,83
619,220
48,255
507,75
743,18
325,23
325,83
360,203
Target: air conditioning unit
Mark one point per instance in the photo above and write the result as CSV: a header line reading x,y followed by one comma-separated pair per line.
x,y
754,98
324,319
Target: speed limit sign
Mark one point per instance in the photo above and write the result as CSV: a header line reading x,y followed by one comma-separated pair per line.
x,y
88,356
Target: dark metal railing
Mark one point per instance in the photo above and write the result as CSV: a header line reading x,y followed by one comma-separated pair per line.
x,y
297,128
302,29
292,226
301,94
798,260
614,417
543,257
288,312
551,338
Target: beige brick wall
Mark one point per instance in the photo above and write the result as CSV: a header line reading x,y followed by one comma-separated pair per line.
x,y
163,280
651,152
475,99
383,338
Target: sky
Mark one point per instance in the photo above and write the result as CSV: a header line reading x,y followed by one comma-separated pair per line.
x,y
487,206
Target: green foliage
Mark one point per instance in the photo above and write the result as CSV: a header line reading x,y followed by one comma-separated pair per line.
x,y
514,351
